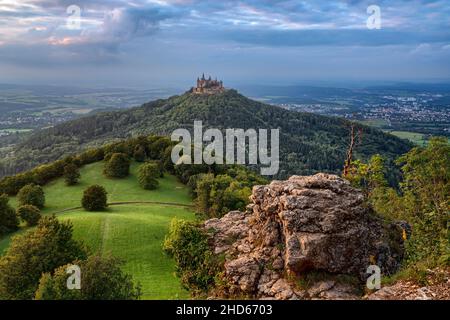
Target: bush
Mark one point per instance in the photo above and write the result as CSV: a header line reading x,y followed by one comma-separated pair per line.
x,y
12,185
94,198
139,153
102,279
71,174
147,176
30,214
119,147
118,166
38,251
31,194
196,265
160,166
8,218
90,156
217,195
157,146
47,172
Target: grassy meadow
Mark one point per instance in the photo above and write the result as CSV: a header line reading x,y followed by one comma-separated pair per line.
x,y
417,138
133,232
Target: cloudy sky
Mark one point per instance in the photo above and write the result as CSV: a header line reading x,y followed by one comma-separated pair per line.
x,y
151,43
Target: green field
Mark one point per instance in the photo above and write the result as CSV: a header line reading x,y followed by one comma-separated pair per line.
x,y
414,137
12,130
417,138
377,123
133,232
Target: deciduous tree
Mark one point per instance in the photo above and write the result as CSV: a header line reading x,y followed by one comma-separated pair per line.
x,y
94,198
30,214
71,174
32,194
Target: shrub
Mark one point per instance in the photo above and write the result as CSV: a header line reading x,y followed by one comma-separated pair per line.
x,y
8,218
47,172
71,174
94,198
157,145
102,279
30,214
119,147
147,176
31,194
196,265
38,251
90,156
118,166
12,185
160,166
216,195
139,153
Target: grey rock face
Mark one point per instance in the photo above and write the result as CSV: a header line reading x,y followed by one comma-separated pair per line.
x,y
302,224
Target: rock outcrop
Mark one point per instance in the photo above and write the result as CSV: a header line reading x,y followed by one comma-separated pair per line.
x,y
292,227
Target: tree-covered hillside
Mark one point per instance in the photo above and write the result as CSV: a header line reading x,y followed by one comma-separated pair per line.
x,y
309,142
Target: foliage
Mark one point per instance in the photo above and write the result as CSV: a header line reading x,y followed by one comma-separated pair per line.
x,y
102,279
47,172
8,218
160,166
139,153
90,156
423,201
141,248
196,265
426,199
368,177
94,198
30,214
157,145
71,174
216,195
148,175
309,143
33,195
38,251
118,166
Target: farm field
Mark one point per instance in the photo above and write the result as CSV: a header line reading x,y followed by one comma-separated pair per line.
x,y
417,138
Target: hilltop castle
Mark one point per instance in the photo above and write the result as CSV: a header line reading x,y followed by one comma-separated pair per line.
x,y
208,86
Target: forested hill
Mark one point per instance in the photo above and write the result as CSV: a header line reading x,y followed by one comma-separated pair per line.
x,y
309,142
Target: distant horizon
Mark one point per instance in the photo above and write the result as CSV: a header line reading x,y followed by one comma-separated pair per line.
x,y
183,85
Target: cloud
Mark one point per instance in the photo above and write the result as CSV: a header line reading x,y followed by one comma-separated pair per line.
x,y
33,33
126,24
301,38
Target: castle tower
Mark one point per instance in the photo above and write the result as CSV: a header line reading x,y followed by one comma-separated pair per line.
x,y
208,85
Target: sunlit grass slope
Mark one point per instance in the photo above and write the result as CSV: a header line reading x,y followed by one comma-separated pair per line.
x,y
133,232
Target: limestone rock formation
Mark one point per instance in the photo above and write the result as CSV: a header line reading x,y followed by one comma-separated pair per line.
x,y
303,224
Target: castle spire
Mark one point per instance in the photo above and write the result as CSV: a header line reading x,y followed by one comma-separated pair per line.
x,y
208,86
